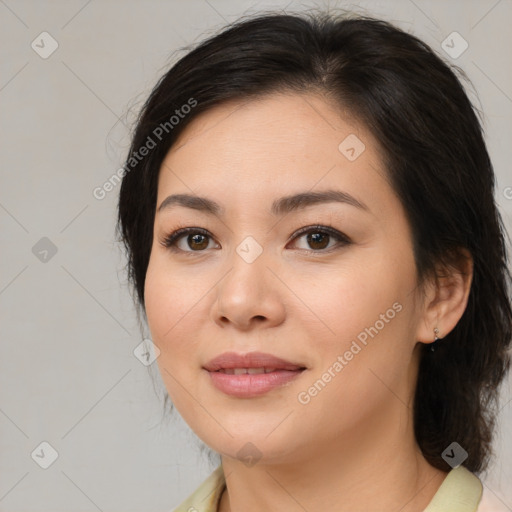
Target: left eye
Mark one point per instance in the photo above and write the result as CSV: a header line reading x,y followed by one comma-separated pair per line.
x,y
317,237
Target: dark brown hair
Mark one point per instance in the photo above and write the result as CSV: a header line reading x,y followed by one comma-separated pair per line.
x,y
436,161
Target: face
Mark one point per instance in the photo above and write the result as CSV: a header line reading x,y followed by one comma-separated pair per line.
x,y
326,283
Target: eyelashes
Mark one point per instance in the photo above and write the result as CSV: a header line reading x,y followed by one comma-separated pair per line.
x,y
171,240
200,236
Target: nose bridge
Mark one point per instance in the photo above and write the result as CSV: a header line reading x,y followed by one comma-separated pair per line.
x,y
248,267
246,291
249,250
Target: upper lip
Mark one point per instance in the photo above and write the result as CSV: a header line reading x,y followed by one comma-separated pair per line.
x,y
250,360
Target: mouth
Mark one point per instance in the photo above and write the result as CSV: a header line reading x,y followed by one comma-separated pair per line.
x,y
251,375
249,371
253,362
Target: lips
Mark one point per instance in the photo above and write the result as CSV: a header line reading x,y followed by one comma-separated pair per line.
x,y
251,375
252,360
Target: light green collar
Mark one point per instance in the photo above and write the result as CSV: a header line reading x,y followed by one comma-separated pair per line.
x,y
460,491
207,496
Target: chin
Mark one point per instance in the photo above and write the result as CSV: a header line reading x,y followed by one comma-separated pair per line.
x,y
250,447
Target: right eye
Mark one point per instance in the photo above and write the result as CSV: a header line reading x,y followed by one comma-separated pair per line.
x,y
195,239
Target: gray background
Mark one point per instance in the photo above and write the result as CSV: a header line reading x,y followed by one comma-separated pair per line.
x,y
68,375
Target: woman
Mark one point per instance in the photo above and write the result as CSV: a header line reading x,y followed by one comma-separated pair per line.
x,y
311,233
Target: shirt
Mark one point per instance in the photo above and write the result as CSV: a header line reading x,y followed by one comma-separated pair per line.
x,y
460,491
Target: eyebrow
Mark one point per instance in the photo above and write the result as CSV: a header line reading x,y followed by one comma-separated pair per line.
x,y
280,206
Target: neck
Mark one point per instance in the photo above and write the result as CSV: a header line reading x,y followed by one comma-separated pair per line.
x,y
377,467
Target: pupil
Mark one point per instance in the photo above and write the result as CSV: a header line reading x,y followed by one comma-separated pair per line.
x,y
314,238
196,239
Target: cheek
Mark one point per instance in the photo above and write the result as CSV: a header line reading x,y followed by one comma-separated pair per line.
x,y
368,312
168,301
165,306
177,309
361,370
157,297
352,296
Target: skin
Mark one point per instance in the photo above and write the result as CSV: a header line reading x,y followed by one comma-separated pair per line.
x,y
351,447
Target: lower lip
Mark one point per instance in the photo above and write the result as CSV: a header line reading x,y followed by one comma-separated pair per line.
x,y
252,385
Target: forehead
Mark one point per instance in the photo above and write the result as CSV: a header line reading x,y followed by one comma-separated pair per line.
x,y
290,123
278,143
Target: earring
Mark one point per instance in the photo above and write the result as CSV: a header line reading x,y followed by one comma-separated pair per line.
x,y
436,337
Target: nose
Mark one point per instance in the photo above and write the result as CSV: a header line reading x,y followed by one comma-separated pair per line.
x,y
249,296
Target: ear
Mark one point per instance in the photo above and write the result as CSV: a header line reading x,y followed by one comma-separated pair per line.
x,y
446,297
